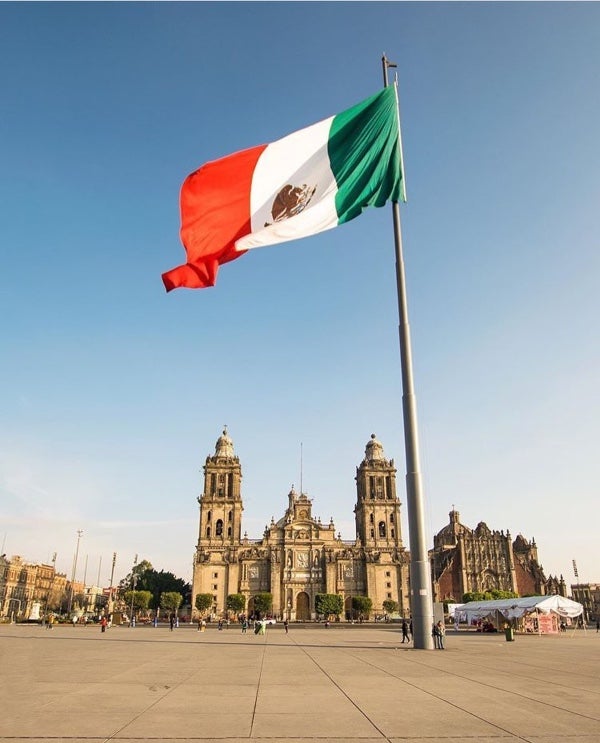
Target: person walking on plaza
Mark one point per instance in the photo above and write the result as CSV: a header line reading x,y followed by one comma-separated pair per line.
x,y
171,622
285,625
103,623
244,626
405,637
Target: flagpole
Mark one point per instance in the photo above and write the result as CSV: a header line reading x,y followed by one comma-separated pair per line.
x,y
421,602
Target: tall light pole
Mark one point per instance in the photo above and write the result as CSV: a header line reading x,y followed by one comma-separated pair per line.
x,y
133,582
50,587
79,533
110,592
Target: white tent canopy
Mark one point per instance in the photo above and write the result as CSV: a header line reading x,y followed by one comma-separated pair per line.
x,y
514,608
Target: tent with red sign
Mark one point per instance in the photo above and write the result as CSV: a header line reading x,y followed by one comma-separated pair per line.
x,y
536,613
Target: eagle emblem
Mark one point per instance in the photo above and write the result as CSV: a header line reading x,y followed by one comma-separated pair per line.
x,y
291,200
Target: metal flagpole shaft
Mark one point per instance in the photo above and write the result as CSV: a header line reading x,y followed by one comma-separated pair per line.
x,y
421,602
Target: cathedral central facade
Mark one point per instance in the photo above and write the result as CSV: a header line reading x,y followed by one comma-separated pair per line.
x,y
299,556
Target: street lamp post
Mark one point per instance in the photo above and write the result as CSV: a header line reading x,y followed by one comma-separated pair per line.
x,y
70,604
133,584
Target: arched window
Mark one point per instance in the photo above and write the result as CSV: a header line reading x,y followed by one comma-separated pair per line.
x,y
372,533
230,516
219,528
228,531
371,519
208,515
393,533
391,518
382,528
208,532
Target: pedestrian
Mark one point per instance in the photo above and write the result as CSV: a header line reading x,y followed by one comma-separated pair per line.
x,y
285,625
220,624
199,623
74,620
405,637
440,634
244,626
103,623
171,622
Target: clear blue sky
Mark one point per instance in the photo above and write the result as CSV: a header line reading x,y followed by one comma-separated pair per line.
x,y
113,392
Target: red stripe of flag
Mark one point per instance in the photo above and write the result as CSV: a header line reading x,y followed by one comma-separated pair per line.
x,y
215,212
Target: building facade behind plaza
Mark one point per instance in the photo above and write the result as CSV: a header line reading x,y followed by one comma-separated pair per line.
x,y
299,556
30,590
465,560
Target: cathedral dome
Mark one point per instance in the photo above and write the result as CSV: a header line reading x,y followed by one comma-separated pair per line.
x,y
374,450
224,445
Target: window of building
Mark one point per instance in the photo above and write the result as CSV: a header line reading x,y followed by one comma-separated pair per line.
x,y
372,533
382,528
215,586
371,519
219,528
388,585
230,516
389,595
208,515
215,575
393,533
387,574
391,518
228,531
208,532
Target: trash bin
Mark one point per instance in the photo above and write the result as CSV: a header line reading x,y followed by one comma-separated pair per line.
x,y
509,634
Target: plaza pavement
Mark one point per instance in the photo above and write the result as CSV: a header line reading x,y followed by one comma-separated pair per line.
x,y
345,683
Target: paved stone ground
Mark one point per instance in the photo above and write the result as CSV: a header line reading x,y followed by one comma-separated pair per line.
x,y
345,683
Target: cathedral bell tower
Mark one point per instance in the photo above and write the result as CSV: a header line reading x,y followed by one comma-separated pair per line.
x,y
221,502
377,509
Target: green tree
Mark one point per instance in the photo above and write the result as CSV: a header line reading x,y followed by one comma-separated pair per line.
x,y
390,607
327,604
493,595
159,582
141,599
203,602
473,596
170,601
236,602
137,571
497,594
362,606
263,603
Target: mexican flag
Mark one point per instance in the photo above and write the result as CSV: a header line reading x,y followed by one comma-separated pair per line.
x,y
308,182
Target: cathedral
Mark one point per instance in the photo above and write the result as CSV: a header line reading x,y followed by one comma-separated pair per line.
x,y
299,556
467,560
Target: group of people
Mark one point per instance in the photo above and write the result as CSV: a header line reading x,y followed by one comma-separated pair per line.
x,y
439,635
